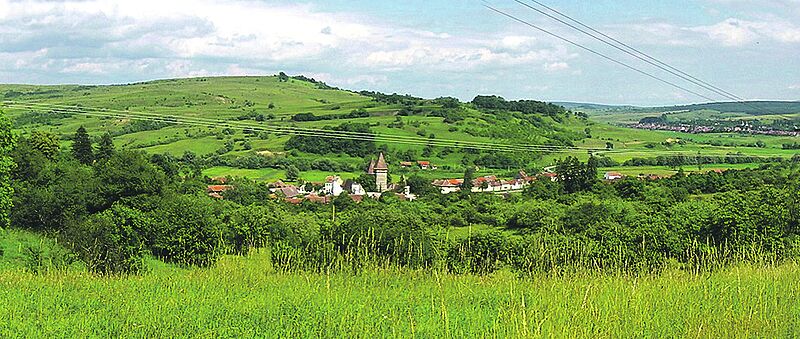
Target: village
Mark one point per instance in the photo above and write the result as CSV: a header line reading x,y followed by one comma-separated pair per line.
x,y
335,186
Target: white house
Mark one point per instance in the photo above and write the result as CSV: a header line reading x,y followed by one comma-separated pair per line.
x,y
333,186
613,176
447,186
354,188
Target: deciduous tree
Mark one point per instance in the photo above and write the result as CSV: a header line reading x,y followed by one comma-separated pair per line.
x,y
82,147
6,164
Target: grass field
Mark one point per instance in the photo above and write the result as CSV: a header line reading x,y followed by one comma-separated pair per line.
x,y
245,297
270,175
668,171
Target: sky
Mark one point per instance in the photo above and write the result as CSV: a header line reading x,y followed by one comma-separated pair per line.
x,y
431,48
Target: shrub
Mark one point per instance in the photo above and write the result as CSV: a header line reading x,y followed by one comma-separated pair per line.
x,y
109,242
478,254
187,231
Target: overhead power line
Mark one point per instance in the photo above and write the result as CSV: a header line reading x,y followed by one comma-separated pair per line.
x,y
608,40
604,56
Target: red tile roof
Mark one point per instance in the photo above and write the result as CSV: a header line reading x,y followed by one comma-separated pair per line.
x,y
218,188
448,182
294,201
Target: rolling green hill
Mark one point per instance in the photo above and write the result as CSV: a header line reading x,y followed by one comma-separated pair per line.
x,y
255,126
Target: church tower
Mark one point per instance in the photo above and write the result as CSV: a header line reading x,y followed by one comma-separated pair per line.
x,y
381,170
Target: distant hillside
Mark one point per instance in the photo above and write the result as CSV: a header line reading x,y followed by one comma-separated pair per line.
x,y
750,107
589,106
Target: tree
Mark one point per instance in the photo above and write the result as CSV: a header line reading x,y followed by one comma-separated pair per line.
x,y
6,165
466,186
106,147
292,173
82,147
128,174
109,242
590,173
60,193
368,182
420,185
45,142
576,176
186,230
282,77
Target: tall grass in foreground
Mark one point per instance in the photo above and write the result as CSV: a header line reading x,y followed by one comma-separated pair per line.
x,y
247,297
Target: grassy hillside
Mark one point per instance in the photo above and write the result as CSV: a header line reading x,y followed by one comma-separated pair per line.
x,y
266,103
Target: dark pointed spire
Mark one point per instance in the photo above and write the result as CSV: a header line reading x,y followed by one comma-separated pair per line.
x,y
381,164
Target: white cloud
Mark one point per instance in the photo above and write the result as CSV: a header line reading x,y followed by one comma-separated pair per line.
x,y
737,32
87,67
731,32
794,87
556,66
90,36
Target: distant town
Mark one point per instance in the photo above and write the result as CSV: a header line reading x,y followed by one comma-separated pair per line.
x,y
334,186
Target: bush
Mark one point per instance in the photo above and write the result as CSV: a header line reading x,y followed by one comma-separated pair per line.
x,y
536,216
187,231
479,254
109,242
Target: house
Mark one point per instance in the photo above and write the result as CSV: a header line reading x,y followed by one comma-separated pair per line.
x,y
278,184
550,175
218,188
354,188
483,182
407,195
319,199
289,191
424,164
294,201
448,185
613,176
517,184
215,191
524,178
406,164
651,177
333,186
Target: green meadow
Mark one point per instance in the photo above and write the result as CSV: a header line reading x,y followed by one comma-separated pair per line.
x,y
248,297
